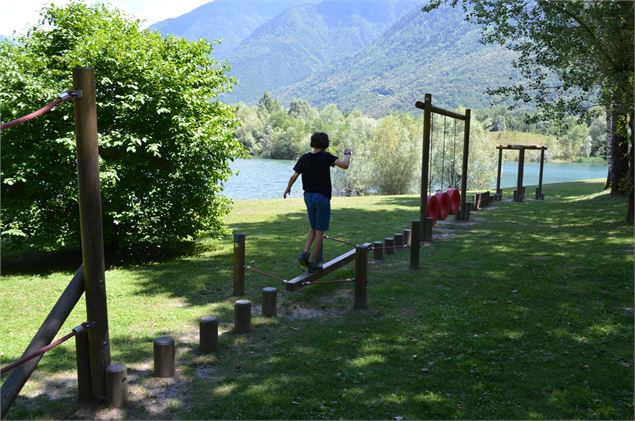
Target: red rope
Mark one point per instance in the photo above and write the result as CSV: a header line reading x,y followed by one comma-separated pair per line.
x,y
74,332
62,97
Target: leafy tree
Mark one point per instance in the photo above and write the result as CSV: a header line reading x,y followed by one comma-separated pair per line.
x,y
574,55
165,140
359,178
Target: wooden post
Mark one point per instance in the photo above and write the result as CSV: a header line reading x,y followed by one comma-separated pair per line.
x,y
428,229
425,158
519,177
500,168
361,277
242,316
406,236
389,243
239,264
378,250
398,239
44,336
208,334
464,167
539,194
269,302
164,357
82,356
91,226
415,245
117,385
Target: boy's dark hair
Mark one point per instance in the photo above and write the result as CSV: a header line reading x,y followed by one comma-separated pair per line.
x,y
320,140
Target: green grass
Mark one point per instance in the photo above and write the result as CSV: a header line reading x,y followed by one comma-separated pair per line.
x,y
526,312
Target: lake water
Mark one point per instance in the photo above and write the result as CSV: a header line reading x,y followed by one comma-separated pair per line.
x,y
267,178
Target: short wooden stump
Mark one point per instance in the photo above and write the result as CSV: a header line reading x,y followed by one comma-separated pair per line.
x,y
164,356
269,302
242,316
117,385
208,334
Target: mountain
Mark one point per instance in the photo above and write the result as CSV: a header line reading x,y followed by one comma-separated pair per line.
x,y
229,20
437,52
304,39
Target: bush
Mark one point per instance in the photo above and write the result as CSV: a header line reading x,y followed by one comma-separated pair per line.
x,y
165,142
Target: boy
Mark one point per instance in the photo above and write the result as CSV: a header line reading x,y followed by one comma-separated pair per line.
x,y
315,168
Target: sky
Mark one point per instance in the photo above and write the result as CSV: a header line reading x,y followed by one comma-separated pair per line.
x,y
21,14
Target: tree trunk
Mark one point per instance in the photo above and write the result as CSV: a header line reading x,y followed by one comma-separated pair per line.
x,y
609,149
619,169
630,162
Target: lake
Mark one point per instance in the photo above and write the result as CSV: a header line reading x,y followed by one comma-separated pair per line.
x,y
267,178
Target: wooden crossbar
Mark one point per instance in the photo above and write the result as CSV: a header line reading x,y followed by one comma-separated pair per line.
x,y
328,267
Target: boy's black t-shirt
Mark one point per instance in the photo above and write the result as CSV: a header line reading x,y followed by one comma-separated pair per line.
x,y
316,172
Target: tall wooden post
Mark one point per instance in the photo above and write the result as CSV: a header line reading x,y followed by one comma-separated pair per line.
x,y
425,161
361,277
415,244
91,226
239,264
500,168
466,155
542,164
519,179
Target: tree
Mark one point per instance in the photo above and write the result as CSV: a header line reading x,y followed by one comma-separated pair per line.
x,y
576,56
165,140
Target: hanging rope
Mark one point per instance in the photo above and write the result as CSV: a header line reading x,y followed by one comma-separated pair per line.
x,y
337,240
262,272
445,119
63,96
432,160
454,157
77,330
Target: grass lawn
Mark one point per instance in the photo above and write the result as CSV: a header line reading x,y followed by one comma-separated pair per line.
x,y
526,312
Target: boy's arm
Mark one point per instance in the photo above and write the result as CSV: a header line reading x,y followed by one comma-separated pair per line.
x,y
346,161
294,177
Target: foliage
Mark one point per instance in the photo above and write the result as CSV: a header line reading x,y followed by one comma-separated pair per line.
x,y
165,141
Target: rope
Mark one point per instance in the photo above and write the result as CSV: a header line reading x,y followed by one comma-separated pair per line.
x,y
445,119
63,96
74,332
262,272
405,246
454,156
326,237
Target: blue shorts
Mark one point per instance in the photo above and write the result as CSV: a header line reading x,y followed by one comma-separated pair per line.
x,y
318,207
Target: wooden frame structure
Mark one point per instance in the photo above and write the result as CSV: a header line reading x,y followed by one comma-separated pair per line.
x,y
428,109
519,193
93,347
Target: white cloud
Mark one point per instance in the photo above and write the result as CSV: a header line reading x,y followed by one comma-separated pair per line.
x,y
20,15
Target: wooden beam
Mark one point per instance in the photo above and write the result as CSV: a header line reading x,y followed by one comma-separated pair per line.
x,y
328,267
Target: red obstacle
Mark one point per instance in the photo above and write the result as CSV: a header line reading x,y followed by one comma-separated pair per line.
x,y
455,200
444,204
433,208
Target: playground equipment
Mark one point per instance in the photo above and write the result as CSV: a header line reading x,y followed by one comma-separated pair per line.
x,y
93,345
519,193
428,110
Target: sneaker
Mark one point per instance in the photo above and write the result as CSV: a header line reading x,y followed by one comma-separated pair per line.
x,y
314,267
303,258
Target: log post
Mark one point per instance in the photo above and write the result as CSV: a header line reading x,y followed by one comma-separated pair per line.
x,y
361,277
415,244
91,226
239,264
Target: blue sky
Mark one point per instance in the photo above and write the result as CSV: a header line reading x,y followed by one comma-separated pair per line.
x,y
19,15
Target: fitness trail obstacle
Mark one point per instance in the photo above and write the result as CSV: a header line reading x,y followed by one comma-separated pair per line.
x,y
519,193
92,345
426,200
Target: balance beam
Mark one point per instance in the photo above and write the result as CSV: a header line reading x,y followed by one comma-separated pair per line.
x,y
328,267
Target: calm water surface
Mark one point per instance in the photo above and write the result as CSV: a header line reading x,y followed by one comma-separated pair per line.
x,y
267,178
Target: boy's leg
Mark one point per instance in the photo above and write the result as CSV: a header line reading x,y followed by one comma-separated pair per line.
x,y
309,240
317,246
